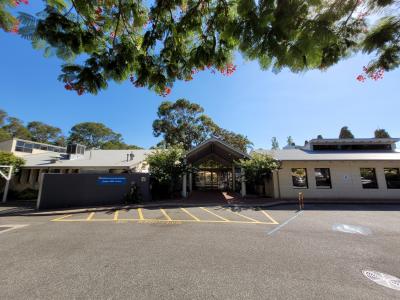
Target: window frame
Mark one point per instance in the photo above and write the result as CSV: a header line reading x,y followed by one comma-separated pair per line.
x,y
306,177
386,179
376,179
323,187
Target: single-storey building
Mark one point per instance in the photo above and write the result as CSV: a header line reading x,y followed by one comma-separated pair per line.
x,y
334,169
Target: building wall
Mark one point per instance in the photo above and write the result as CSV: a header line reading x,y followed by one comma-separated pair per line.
x,y
30,177
345,179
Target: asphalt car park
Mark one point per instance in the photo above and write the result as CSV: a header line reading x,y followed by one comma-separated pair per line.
x,y
139,253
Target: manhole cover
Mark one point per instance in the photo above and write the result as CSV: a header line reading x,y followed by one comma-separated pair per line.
x,y
351,229
383,279
4,228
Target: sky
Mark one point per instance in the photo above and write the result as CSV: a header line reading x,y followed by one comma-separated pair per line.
x,y
256,103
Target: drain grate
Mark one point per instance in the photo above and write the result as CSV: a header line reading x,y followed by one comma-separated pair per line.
x,y
383,279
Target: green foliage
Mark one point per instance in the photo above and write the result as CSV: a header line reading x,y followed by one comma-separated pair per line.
x,y
118,145
43,133
258,167
274,143
16,129
184,124
9,159
93,135
345,133
381,133
167,166
4,135
26,194
157,43
290,141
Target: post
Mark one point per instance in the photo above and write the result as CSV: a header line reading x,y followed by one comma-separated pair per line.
x,y
184,193
190,182
8,179
243,181
233,179
301,201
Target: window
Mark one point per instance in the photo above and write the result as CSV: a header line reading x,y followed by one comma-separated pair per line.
x,y
323,178
392,176
368,178
299,177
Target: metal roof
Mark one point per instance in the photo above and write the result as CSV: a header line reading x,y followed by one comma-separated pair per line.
x,y
303,155
355,141
91,158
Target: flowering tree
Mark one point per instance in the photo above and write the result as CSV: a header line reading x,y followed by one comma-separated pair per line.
x,y
154,44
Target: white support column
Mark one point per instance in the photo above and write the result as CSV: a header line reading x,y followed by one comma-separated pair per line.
x,y
184,192
8,179
233,179
190,182
243,181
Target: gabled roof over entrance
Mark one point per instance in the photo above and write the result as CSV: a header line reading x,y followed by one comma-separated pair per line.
x,y
217,150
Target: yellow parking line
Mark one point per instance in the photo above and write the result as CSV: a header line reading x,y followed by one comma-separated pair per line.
x,y
61,218
116,213
90,216
165,214
251,219
222,218
140,214
165,221
190,214
269,217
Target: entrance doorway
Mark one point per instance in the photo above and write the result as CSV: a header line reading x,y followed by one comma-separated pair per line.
x,y
220,180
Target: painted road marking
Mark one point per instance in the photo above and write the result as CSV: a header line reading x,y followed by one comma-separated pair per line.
x,y
90,216
169,220
139,210
161,221
190,214
165,214
63,217
251,219
286,222
269,217
222,218
11,227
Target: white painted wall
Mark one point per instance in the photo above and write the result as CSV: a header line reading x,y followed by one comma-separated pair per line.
x,y
345,178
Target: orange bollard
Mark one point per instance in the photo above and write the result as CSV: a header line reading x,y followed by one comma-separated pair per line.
x,y
301,201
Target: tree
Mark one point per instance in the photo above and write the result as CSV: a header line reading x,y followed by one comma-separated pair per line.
x,y
4,135
167,166
275,144
319,137
184,124
117,145
381,134
16,129
290,141
180,123
155,43
44,133
345,133
93,135
258,167
3,117
9,159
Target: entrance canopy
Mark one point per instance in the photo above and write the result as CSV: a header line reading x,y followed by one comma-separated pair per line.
x,y
216,150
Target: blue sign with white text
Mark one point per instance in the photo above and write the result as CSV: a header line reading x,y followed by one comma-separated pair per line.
x,y
111,180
